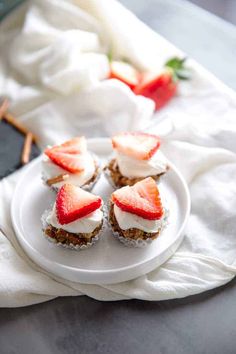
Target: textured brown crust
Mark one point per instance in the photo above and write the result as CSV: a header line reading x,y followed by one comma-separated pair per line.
x,y
92,179
120,180
68,238
130,233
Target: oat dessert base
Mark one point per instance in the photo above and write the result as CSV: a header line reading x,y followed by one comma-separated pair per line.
x,y
117,180
66,239
133,237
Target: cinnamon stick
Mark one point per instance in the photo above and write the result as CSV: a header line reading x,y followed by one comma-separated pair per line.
x,y
57,179
25,157
3,107
9,118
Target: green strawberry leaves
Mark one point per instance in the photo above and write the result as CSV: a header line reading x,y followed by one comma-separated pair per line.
x,y
177,65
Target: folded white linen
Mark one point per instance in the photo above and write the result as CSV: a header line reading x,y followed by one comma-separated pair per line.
x,y
59,51
107,107
197,128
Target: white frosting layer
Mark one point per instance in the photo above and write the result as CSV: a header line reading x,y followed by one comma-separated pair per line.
x,y
51,170
85,224
128,221
131,167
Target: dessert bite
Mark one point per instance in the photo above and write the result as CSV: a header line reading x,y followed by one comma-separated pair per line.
x,y
76,218
70,162
137,156
136,214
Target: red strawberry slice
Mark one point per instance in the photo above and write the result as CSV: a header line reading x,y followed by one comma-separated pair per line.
x,y
141,146
74,163
125,73
76,145
160,88
70,155
73,203
142,199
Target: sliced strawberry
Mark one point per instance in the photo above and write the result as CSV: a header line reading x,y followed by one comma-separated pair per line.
x,y
70,155
139,145
125,73
73,203
76,145
74,163
160,88
142,199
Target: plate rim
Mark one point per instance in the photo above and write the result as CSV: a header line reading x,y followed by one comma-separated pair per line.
x,y
93,142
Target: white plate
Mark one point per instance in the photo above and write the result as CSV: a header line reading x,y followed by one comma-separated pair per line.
x,y
108,261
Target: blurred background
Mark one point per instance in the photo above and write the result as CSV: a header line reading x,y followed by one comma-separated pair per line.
x,y
225,9
204,29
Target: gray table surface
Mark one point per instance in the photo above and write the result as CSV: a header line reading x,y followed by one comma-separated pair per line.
x,y
203,323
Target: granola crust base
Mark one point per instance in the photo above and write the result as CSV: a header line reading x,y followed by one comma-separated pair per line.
x,y
67,238
133,233
120,180
92,179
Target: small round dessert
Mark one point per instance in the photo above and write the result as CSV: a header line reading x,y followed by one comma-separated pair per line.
x,y
72,163
136,214
137,156
76,219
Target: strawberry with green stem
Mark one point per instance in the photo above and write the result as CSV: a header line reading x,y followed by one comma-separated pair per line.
x,y
162,87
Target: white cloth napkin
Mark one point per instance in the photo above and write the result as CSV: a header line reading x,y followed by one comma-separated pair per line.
x,y
51,69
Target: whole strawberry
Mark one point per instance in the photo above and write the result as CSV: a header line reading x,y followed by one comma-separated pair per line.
x,y
161,87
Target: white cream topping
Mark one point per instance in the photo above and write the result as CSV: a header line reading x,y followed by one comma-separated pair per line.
x,y
131,167
86,224
128,221
51,170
